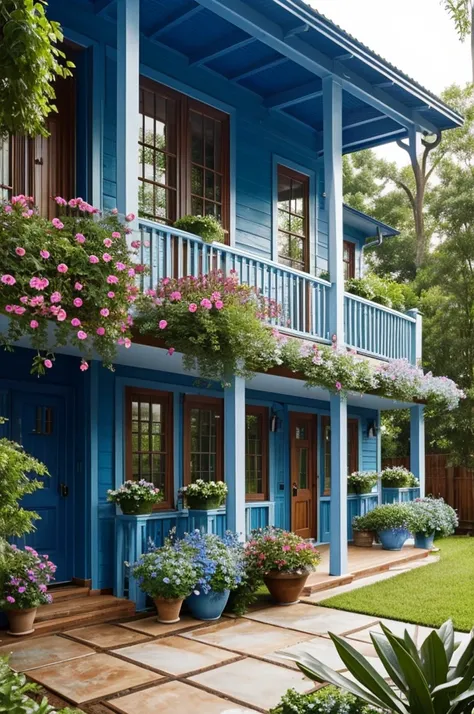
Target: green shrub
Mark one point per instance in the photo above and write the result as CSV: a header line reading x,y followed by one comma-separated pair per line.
x,y
430,515
206,227
390,515
363,523
398,477
328,700
383,291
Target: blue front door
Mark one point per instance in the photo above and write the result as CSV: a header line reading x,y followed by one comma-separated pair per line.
x,y
39,424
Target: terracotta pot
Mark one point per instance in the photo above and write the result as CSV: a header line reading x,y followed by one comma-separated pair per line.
x,y
20,622
363,539
285,588
168,609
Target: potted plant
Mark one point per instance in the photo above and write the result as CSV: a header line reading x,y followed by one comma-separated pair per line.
x,y
135,497
398,477
363,531
206,227
431,517
391,523
24,584
361,482
219,563
168,576
284,560
204,495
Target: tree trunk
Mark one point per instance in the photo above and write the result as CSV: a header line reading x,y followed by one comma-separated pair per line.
x,y
472,41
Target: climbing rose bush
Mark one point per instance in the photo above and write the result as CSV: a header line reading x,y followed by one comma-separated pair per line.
x,y
74,272
215,322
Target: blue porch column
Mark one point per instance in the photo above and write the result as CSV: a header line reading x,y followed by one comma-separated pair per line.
x,y
417,445
234,454
128,76
416,335
332,138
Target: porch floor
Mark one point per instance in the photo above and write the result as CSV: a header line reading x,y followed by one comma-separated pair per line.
x,y
361,562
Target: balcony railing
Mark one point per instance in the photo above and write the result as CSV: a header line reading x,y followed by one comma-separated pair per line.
x,y
304,299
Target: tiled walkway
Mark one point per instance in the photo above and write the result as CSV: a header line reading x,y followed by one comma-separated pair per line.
x,y
233,666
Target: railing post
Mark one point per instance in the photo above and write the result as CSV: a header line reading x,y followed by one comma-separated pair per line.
x,y
416,335
234,461
128,73
417,445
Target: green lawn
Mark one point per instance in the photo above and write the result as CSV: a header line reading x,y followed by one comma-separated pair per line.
x,y
429,595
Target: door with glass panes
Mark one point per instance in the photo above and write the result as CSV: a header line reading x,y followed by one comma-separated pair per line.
x,y
303,474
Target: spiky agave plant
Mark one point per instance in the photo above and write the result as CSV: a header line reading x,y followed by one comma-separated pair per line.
x,y
436,678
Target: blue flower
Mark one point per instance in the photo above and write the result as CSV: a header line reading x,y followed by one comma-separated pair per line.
x,y
166,580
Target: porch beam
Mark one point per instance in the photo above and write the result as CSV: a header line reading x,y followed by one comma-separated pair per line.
x,y
332,144
400,133
417,445
173,20
128,73
234,463
358,120
295,95
257,68
338,508
255,23
219,49
100,6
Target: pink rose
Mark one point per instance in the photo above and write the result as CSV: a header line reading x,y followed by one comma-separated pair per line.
x,y
175,295
24,299
8,308
62,268
219,304
44,254
111,294
84,366
105,312
80,238
135,244
34,324
120,266
8,279
162,324
75,322
131,272
106,257
56,297
206,303
192,307
100,331
108,242
115,234
127,342
112,279
93,259
61,316
77,302
114,211
338,386
81,335
60,201
57,223
171,351
130,217
78,286
20,251
47,363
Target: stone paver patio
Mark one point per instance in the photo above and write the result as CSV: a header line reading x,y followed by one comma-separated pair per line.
x,y
233,666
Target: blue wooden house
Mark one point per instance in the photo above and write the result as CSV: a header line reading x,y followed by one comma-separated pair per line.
x,y
241,109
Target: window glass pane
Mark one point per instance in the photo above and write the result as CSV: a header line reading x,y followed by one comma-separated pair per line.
x,y
292,204
204,422
303,468
206,151
254,454
148,442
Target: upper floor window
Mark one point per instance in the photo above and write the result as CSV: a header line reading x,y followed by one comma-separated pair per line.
x,y
203,439
149,440
256,453
348,257
293,218
183,157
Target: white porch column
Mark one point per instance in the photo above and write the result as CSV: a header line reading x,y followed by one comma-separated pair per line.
x,y
128,74
234,454
417,445
338,508
332,138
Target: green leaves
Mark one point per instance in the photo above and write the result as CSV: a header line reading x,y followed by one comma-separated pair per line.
x,y
424,682
30,62
14,691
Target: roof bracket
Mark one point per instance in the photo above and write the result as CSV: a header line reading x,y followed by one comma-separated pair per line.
x,y
296,31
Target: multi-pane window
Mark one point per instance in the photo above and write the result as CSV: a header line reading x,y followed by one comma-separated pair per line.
x,y
149,440
183,156
348,257
293,218
352,450
203,436
256,453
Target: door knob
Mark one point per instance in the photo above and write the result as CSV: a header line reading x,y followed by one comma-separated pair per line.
x,y
64,490
295,489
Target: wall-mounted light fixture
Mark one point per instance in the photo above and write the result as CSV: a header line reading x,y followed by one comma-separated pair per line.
x,y
372,429
274,421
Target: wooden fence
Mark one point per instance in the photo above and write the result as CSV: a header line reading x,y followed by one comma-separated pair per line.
x,y
453,483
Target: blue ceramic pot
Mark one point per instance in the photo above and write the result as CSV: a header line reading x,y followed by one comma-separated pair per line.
x,y
207,606
424,541
393,538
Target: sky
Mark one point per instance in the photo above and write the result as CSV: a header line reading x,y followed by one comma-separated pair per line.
x,y
417,36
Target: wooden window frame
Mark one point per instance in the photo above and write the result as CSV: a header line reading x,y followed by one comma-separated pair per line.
x,y
166,400
352,446
192,401
184,106
283,170
350,246
263,412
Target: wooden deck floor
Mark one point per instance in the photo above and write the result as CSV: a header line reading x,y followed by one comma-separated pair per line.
x,y
362,562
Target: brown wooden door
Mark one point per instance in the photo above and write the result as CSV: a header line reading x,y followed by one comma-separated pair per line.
x,y
303,474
